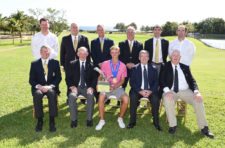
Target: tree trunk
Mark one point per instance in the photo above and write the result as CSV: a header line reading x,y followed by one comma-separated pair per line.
x,y
20,37
13,37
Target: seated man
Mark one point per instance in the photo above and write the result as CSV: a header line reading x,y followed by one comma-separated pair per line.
x,y
115,72
81,79
144,84
45,77
178,83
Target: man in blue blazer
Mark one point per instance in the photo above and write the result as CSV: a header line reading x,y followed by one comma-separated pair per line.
x,y
100,47
45,77
144,84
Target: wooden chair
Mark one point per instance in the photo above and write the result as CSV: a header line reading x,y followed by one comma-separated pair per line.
x,y
145,104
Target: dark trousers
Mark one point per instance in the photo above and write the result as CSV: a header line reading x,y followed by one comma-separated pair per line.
x,y
154,100
126,79
38,103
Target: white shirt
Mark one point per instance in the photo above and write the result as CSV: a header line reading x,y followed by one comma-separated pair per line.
x,y
102,40
80,69
182,83
131,43
160,49
187,50
50,40
142,73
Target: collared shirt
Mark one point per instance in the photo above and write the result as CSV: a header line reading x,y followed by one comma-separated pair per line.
x,y
81,67
142,73
131,43
106,69
182,83
187,50
74,37
102,40
160,49
50,40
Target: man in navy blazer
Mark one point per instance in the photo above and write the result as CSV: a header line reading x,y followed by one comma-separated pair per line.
x,y
177,82
70,44
144,84
100,47
129,50
81,79
157,58
45,77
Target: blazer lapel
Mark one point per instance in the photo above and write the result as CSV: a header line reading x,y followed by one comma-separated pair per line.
x,y
41,68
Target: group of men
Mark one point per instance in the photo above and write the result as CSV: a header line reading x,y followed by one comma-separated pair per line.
x,y
145,68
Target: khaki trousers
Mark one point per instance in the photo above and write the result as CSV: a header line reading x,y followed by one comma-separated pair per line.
x,y
188,97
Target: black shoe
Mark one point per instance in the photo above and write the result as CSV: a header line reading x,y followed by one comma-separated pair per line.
x,y
83,101
131,125
89,123
73,124
157,126
205,131
39,125
52,127
172,130
118,103
107,102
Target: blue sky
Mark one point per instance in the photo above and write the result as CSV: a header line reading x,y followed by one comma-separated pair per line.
x,y
142,12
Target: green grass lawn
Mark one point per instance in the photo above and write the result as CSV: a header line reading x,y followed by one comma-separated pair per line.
x,y
17,124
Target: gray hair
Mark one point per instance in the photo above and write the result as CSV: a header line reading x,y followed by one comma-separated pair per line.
x,y
131,28
82,49
143,52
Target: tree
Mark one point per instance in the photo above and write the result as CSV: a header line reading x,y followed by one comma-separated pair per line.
x,y
12,26
121,27
57,21
21,22
211,26
132,24
169,29
190,27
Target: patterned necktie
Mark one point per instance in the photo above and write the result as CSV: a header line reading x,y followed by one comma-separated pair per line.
x,y
157,51
176,86
145,79
82,81
75,43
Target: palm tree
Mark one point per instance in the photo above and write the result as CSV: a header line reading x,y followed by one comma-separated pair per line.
x,y
12,26
21,21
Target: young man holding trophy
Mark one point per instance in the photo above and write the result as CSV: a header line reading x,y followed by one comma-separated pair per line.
x,y
114,72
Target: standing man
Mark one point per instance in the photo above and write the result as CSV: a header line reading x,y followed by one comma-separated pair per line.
x,y
178,83
187,48
129,50
45,77
144,84
157,48
100,47
44,38
81,79
70,44
115,72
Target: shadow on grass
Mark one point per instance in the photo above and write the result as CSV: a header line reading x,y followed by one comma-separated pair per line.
x,y
20,125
